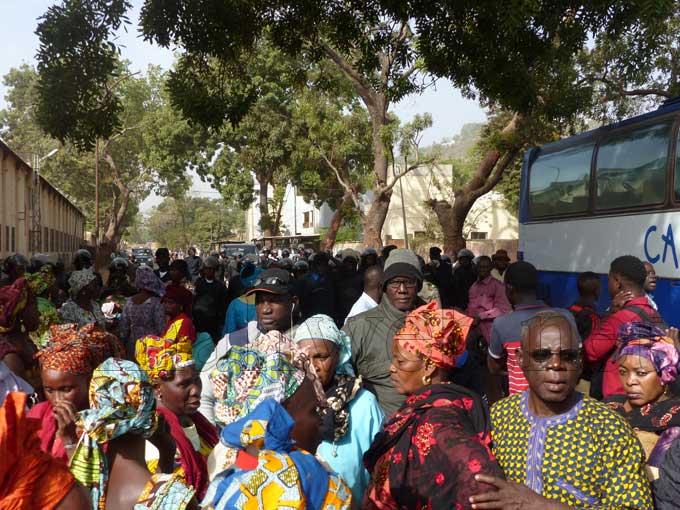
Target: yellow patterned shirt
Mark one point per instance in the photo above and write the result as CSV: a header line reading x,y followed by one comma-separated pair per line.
x,y
586,458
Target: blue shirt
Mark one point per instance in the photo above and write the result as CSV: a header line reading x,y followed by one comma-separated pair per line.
x,y
240,312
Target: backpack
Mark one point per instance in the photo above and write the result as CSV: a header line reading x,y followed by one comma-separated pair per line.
x,y
586,319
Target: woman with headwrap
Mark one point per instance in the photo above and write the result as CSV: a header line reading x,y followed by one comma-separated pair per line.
x,y
82,307
30,478
431,449
109,459
179,275
177,302
66,366
648,365
18,317
43,285
352,417
177,386
266,460
143,313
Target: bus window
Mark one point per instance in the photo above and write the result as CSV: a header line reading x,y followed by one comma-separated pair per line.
x,y
631,168
559,182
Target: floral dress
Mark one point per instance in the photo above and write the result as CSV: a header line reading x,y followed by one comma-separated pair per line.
x,y
71,312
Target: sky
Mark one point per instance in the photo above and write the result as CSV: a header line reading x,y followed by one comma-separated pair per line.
x,y
18,21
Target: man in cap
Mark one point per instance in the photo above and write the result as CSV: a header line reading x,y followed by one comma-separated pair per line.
x,y
463,277
501,261
372,332
210,300
194,264
275,306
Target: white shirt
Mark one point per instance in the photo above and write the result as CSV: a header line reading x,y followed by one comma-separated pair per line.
x,y
363,304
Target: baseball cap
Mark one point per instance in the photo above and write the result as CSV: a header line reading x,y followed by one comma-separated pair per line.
x,y
273,281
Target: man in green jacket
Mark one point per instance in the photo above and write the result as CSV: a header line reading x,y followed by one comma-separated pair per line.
x,y
373,331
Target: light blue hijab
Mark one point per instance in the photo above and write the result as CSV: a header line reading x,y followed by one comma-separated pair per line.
x,y
322,327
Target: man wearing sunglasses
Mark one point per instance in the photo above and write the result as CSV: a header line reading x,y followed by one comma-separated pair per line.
x,y
372,332
275,305
558,448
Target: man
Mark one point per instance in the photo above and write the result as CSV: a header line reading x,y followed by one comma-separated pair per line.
x,y
650,284
194,264
521,282
441,274
274,305
210,301
372,332
372,294
501,261
488,299
163,263
626,281
317,288
558,449
463,277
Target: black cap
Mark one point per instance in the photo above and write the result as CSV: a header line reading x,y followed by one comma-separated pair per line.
x,y
273,281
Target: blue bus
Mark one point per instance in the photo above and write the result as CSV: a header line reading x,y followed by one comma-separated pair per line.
x,y
612,191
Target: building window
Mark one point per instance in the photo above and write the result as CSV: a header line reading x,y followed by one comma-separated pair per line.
x,y
308,219
13,241
476,236
45,240
7,238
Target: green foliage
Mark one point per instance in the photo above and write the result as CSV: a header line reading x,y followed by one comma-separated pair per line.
x,y
350,231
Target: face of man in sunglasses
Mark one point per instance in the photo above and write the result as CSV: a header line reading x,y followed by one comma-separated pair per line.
x,y
550,359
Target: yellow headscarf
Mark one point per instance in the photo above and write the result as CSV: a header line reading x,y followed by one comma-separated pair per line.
x,y
160,356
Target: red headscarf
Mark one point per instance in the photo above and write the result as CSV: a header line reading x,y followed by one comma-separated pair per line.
x,y
179,295
434,334
13,299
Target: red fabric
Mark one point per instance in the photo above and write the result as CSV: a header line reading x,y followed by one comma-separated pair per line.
x,y
186,329
13,299
601,344
194,464
49,442
179,295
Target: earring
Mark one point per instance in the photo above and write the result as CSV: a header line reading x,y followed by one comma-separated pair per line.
x,y
427,380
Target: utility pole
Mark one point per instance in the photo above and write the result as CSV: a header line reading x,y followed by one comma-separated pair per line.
x,y
403,208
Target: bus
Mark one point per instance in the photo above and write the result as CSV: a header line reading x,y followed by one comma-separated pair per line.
x,y
612,191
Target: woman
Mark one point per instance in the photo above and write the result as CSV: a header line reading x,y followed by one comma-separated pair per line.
x,y
18,317
118,284
109,459
177,386
431,449
179,275
177,302
268,451
66,367
82,307
43,285
143,313
648,364
352,417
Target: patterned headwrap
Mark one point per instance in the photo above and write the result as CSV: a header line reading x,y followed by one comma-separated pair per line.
x,y
78,351
245,377
646,340
41,280
322,327
159,357
146,279
179,295
13,299
438,336
121,402
80,279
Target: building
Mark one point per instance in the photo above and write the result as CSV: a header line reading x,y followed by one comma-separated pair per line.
x,y
489,224
34,216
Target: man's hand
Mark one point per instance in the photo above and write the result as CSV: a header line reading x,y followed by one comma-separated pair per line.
x,y
511,496
620,300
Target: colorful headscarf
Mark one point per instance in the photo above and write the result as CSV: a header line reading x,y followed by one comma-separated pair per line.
x,y
245,377
646,340
322,327
41,280
121,402
179,295
159,357
146,279
436,335
78,351
13,299
80,279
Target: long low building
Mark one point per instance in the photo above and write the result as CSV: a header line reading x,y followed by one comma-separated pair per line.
x,y
34,216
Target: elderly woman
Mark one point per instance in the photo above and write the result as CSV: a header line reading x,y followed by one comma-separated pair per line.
x,y
177,386
648,363
109,459
66,366
43,285
82,307
352,417
143,313
267,456
431,449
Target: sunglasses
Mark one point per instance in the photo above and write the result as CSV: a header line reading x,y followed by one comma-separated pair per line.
x,y
272,280
396,284
543,356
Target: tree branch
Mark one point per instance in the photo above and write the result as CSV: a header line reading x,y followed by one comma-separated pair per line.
x,y
651,91
410,168
363,88
347,187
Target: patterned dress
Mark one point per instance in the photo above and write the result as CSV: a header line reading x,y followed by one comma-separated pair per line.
x,y
586,458
165,492
71,312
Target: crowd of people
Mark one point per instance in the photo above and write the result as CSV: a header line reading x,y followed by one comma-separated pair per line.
x,y
374,380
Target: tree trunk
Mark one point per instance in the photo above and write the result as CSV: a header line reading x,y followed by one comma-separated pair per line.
x,y
336,222
265,218
374,219
109,241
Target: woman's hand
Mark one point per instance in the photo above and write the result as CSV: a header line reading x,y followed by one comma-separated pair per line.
x,y
66,416
506,495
